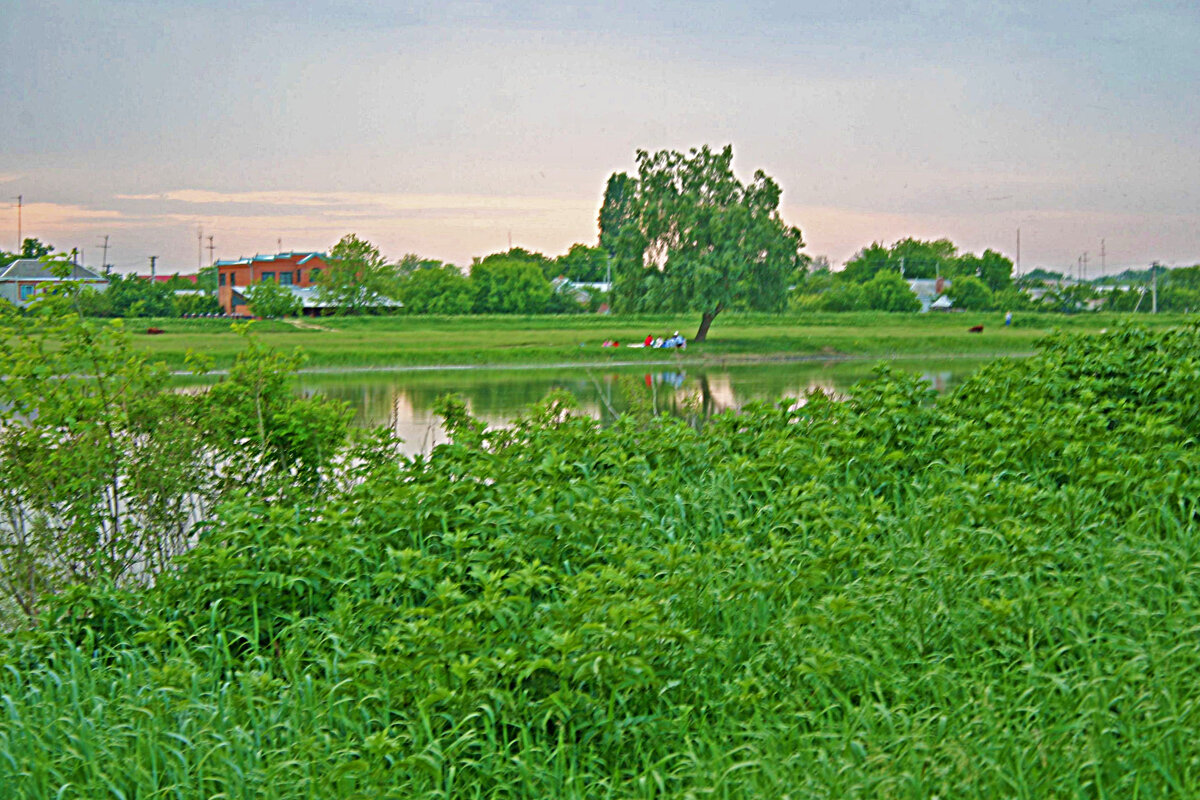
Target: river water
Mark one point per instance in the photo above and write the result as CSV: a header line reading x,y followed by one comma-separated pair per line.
x,y
404,400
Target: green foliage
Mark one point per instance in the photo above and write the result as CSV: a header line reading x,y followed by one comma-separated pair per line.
x,y
411,262
134,296
844,296
441,289
519,255
35,248
1178,291
887,291
1040,277
618,216
106,471
694,237
129,296
1069,299
505,285
582,264
929,259
970,294
993,269
917,259
357,277
986,595
271,300
197,304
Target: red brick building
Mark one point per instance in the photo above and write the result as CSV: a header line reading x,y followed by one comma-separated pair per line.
x,y
287,269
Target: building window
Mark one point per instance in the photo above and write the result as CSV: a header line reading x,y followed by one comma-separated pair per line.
x,y
268,276
221,279
27,291
312,274
285,279
233,279
297,276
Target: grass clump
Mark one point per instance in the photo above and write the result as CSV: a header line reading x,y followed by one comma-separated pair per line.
x,y
987,594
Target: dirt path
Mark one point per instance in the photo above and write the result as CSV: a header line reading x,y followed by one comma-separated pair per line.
x,y
306,326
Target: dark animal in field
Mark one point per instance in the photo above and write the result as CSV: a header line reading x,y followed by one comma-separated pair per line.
x,y
975,329
153,331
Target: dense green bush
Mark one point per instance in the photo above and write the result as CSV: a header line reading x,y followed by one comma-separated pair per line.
x,y
989,594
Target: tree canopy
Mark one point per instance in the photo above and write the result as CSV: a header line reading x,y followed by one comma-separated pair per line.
x,y
357,277
691,236
437,290
509,286
582,264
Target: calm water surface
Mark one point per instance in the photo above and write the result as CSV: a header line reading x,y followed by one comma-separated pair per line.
x,y
404,400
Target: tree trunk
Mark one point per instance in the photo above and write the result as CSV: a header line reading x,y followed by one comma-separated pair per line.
x,y
705,321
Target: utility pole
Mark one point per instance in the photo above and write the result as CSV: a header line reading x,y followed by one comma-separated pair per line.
x,y
104,258
199,248
901,266
1154,288
211,260
152,269
1085,260
279,245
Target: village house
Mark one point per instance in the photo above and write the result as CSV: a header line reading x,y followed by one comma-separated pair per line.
x,y
24,278
931,293
295,270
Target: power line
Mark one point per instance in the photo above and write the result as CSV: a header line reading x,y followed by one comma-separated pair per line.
x,y
104,258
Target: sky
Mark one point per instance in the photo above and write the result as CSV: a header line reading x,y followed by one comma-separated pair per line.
x,y
451,128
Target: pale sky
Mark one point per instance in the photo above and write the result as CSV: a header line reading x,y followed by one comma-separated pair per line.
x,y
442,128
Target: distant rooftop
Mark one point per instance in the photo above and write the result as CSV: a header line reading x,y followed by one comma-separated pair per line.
x,y
302,255
35,269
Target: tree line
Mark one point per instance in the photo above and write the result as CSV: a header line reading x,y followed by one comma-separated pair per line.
x,y
681,234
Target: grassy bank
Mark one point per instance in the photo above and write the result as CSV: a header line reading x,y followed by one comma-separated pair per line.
x,y
350,342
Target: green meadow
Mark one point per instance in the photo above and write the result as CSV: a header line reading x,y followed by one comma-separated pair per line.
x,y
355,342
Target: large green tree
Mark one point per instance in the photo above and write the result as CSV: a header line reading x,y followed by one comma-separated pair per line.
x,y
509,286
437,290
887,291
699,239
357,277
994,269
970,293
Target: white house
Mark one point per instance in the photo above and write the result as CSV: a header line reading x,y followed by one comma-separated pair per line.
x,y
928,290
21,280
